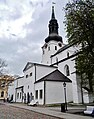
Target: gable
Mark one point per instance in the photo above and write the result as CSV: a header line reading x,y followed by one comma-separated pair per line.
x,y
55,76
28,65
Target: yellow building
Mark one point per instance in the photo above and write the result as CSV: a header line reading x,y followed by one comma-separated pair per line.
x,y
4,82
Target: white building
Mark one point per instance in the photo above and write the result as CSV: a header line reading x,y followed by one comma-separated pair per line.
x,y
43,83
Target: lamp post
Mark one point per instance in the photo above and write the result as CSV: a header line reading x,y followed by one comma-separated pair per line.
x,y
64,84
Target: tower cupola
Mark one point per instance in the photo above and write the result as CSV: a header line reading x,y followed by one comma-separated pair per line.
x,y
53,29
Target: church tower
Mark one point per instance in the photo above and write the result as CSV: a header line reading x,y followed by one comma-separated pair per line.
x,y
53,42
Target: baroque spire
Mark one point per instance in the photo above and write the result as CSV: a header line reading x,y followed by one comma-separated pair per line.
x,y
53,25
53,14
53,28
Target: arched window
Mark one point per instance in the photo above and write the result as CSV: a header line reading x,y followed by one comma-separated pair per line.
x,y
67,71
67,54
2,94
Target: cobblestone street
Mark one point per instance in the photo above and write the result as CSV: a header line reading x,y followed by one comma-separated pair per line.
x,y
9,112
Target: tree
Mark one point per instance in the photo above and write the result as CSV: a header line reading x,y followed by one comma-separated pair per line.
x,y
79,23
3,65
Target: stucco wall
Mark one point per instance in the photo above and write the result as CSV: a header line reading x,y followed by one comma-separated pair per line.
x,y
40,86
71,63
47,53
55,92
41,71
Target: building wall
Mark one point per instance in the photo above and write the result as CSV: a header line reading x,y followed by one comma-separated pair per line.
x,y
76,92
47,53
19,95
11,91
29,86
38,71
4,91
55,92
40,86
41,71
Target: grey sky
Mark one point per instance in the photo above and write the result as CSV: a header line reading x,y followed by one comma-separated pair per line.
x,y
23,28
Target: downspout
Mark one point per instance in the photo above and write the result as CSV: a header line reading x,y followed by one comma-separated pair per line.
x,y
15,94
35,81
44,92
16,90
35,72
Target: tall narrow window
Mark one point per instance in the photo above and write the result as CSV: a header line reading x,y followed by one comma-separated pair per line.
x,y
31,74
41,94
36,94
67,72
55,47
27,76
48,48
67,54
17,95
20,95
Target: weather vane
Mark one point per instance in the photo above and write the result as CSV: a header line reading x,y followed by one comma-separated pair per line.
x,y
53,3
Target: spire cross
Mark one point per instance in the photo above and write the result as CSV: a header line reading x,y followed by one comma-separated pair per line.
x,y
53,15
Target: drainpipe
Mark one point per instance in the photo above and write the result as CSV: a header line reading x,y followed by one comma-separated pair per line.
x,y
44,92
35,72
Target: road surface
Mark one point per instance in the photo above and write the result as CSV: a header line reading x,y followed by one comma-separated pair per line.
x,y
9,112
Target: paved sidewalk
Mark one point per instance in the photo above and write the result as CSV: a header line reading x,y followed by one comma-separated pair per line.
x,y
53,111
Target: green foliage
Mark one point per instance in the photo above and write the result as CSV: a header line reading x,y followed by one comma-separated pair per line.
x,y
85,68
80,21
79,24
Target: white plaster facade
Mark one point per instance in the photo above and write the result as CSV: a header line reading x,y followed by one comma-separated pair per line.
x,y
52,91
49,49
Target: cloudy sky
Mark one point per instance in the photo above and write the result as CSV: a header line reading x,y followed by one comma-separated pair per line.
x,y
23,28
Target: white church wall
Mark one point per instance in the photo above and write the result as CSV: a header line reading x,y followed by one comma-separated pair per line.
x,y
20,81
64,54
49,50
54,92
29,80
42,71
75,87
40,86
71,64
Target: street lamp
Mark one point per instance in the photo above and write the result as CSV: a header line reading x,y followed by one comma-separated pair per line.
x,y
64,84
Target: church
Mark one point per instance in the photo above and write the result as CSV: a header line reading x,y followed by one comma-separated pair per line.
x,y
54,80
